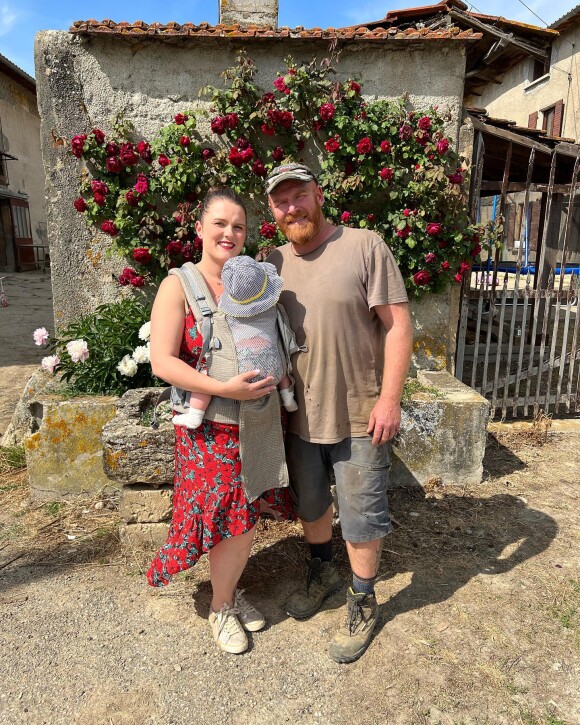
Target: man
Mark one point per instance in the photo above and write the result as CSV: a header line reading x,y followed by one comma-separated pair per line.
x,y
347,304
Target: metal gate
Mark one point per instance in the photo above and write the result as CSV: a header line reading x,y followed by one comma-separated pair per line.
x,y
519,329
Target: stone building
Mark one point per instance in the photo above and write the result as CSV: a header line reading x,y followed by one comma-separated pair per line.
x,y
22,216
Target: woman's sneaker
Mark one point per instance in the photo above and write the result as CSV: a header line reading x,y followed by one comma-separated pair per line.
x,y
227,631
249,617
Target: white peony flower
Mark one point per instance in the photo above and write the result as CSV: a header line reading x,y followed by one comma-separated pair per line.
x,y
78,350
141,354
127,366
49,363
145,331
40,336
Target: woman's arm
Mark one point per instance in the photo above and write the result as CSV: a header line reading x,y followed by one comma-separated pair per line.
x,y
167,325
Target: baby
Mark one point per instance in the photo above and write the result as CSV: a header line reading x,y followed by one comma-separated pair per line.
x,y
251,292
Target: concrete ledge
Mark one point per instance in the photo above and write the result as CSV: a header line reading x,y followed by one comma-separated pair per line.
x,y
143,504
443,434
143,537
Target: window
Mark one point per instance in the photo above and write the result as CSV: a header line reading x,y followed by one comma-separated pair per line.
x,y
22,227
553,119
548,120
539,68
3,165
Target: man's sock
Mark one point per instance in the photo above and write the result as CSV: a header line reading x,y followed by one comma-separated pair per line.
x,y
321,551
360,584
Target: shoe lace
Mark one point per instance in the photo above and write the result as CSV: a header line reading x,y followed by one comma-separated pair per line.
x,y
227,620
241,603
354,615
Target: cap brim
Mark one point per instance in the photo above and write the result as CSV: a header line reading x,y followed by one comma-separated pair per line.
x,y
290,176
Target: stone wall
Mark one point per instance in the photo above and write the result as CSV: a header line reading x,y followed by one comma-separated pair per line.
x,y
83,83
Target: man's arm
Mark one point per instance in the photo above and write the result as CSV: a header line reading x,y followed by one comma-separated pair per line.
x,y
385,418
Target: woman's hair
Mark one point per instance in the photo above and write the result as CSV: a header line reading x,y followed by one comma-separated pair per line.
x,y
220,192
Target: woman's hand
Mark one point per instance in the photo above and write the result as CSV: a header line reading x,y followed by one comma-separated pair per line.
x,y
240,388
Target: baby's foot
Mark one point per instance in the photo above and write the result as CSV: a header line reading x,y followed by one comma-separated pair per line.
x,y
191,419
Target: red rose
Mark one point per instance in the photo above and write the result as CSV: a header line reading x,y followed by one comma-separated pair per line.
x,y
207,154
386,173
422,277
235,157
422,138
218,125
385,147
187,251
142,184
332,145
352,86
364,146
280,85
445,265
458,277
317,124
430,258
405,132
247,154
371,217
99,136
128,155
424,123
80,204
326,111
443,244
112,149
163,160
137,280
456,178
349,168
100,200
286,119
476,250
198,244
278,154
406,212
78,144
184,141
242,143
259,169
132,200
267,230
142,255
99,187
109,228
231,120
180,119
114,165
464,267
144,151
433,229
268,130
404,232
345,217
268,98
301,144
126,276
442,146
173,248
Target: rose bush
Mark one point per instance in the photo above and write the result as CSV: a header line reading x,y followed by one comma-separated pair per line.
x,y
383,167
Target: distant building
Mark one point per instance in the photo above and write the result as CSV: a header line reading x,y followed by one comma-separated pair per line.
x,y
23,238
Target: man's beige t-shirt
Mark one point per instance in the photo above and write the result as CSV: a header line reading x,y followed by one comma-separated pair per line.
x,y
329,295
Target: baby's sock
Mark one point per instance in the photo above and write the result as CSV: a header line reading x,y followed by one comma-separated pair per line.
x,y
288,401
191,419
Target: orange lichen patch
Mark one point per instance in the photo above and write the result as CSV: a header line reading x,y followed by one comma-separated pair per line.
x,y
431,349
58,430
143,444
94,257
112,459
32,443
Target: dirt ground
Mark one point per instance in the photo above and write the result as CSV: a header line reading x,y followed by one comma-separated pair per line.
x,y
479,593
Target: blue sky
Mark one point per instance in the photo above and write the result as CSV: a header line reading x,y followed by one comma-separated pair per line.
x,y
20,20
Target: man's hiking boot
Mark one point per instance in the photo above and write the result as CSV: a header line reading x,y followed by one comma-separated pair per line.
x,y
352,639
322,581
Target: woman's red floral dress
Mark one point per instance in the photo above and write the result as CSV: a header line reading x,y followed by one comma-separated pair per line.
x,y
209,502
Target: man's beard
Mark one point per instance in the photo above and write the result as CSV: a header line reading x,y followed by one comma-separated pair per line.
x,y
302,233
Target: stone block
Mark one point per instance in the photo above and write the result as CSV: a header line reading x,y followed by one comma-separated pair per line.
x,y
146,538
143,504
64,456
434,324
133,452
443,434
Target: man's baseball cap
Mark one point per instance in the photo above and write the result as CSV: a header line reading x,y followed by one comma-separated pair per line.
x,y
287,172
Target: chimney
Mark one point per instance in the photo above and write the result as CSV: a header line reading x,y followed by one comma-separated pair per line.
x,y
249,12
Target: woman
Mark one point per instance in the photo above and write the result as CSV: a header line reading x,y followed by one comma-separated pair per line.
x,y
211,512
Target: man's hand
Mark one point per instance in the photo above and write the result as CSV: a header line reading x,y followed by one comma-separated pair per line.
x,y
385,421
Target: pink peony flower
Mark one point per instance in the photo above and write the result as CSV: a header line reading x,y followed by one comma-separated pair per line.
x,y
50,363
78,350
40,336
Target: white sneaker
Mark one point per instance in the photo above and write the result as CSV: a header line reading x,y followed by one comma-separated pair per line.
x,y
227,632
250,618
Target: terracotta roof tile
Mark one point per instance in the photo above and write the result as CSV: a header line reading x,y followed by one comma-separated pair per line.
x,y
257,32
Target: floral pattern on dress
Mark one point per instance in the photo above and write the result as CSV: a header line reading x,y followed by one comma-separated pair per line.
x,y
209,502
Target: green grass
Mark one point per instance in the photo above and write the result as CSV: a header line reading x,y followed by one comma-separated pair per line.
x,y
413,386
53,508
12,457
11,532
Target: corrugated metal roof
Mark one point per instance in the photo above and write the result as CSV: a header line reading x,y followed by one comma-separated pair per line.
x,y
566,19
17,73
140,29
